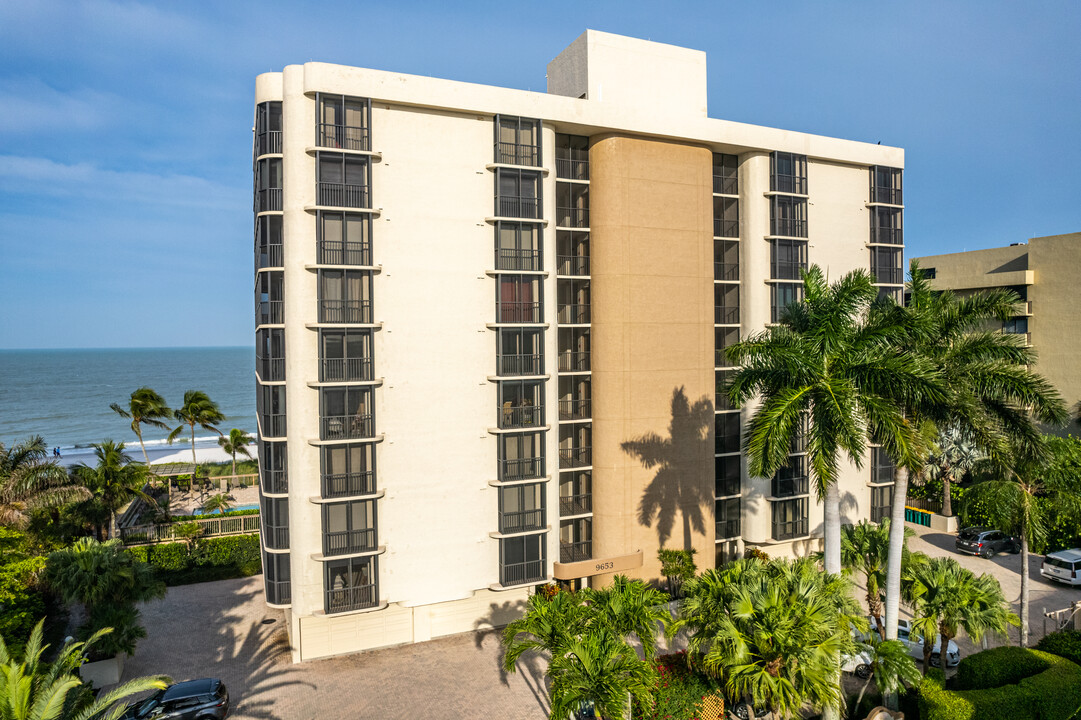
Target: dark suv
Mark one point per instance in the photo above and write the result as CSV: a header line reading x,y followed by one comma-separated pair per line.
x,y
986,542
205,699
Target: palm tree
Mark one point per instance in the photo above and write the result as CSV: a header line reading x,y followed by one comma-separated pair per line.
x,y
236,442
28,480
992,396
891,667
114,481
955,454
216,503
865,549
33,689
144,407
599,668
629,607
947,598
198,409
549,625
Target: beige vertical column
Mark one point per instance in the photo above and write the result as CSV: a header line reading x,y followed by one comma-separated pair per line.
x,y
652,353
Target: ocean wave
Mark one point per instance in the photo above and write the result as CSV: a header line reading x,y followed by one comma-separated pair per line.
x,y
180,443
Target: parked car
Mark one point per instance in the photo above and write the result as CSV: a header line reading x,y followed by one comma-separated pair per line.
x,y
860,664
986,542
205,699
914,644
1063,566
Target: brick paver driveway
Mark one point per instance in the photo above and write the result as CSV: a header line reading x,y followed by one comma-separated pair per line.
x,y
216,629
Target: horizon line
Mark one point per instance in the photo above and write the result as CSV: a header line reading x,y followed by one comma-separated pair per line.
x,y
129,347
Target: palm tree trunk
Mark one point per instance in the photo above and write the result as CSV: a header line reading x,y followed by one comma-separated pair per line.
x,y
194,463
947,505
112,524
139,435
1024,586
928,648
234,462
897,544
832,530
859,698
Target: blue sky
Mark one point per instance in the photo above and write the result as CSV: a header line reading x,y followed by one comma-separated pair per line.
x,y
125,127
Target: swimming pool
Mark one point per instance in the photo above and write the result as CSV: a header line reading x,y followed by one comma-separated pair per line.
x,y
199,511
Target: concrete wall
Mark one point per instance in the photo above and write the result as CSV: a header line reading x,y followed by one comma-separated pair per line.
x,y
1055,323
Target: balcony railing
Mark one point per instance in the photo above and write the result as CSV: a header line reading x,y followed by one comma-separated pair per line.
x,y
793,184
343,427
348,542
354,598
574,362
338,252
788,228
517,259
577,314
520,364
572,217
278,592
522,416
573,265
517,153
345,369
887,235
575,552
521,573
575,504
888,195
879,512
345,137
268,199
276,537
521,468
575,457
721,401
893,276
342,195
725,228
574,409
728,529
272,425
518,312
725,185
345,311
268,143
521,521
726,271
274,481
270,369
789,486
517,207
789,530
270,256
350,484
270,313
572,164
726,315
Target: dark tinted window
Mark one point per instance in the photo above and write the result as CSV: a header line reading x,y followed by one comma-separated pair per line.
x,y
1055,562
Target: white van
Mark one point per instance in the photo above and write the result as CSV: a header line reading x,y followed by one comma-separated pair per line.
x,y
1063,566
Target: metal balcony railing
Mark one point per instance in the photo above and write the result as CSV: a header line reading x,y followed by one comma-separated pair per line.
x,y
342,195
725,185
518,312
349,484
345,369
887,235
521,468
573,265
270,369
344,427
268,199
273,481
575,505
888,195
572,217
726,315
344,137
892,276
517,207
268,142
338,252
574,362
354,598
270,256
278,592
727,529
272,425
879,512
577,314
794,184
721,401
521,521
270,313
725,228
275,537
726,271
789,530
575,552
345,311
572,164
574,409
788,228
348,542
575,457
789,486
520,364
787,270
521,416
517,259
517,154
521,573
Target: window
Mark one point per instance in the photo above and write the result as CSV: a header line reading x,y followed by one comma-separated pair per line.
x,y
270,354
886,185
886,265
268,241
519,351
276,578
726,304
788,216
517,140
575,490
882,467
272,470
725,174
1015,326
345,355
349,527
727,476
342,122
274,525
269,298
727,513
345,296
344,238
521,403
517,246
724,338
781,296
788,173
521,457
517,193
522,560
350,584
789,519
268,184
575,540
342,180
521,508
268,128
791,478
725,217
270,406
881,503
518,299
788,258
348,470
346,413
928,273
727,438
886,226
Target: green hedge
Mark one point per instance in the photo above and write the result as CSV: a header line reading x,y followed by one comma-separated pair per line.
x,y
997,667
1065,643
213,515
215,558
1051,694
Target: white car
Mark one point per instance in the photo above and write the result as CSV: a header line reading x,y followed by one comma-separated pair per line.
x,y
860,664
1063,566
914,643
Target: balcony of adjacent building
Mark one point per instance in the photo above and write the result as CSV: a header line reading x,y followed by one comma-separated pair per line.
x,y
268,128
268,242
273,477
724,338
518,247
725,217
517,141
574,349
572,206
726,481
345,355
519,300
726,261
270,410
572,158
787,216
518,194
574,398
575,493
881,503
268,185
726,304
345,413
343,122
519,352
791,480
728,432
521,508
274,523
347,470
572,254
343,238
276,574
573,302
270,354
342,180
575,446
270,298
350,584
349,528
789,519
523,560
521,404
788,173
783,295
345,297
521,456
727,518
886,226
886,185
886,266
575,540
725,174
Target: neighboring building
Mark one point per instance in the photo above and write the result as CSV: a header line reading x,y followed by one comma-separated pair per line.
x,y
491,327
1043,272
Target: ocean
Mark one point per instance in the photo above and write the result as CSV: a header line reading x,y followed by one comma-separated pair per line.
x,y
64,395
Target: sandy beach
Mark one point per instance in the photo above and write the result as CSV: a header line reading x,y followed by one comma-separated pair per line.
x,y
206,450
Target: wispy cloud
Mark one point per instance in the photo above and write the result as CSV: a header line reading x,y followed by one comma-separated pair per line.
x,y
31,106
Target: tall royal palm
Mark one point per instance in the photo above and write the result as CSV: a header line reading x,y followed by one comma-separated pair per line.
x,y
114,480
145,407
198,409
29,480
991,394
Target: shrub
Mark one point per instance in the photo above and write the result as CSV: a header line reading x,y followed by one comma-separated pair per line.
x,y
215,558
170,556
1064,643
230,513
996,667
681,690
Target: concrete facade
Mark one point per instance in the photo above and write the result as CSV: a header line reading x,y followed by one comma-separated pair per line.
x,y
486,357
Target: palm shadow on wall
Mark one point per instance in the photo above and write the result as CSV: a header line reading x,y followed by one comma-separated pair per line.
x,y
676,487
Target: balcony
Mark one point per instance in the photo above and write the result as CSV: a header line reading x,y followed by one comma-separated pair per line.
x,y
725,228
889,275
520,364
572,164
518,312
725,185
517,259
344,137
275,537
577,314
345,427
790,530
270,369
272,425
268,143
572,217
575,505
353,598
348,542
887,235
345,369
727,529
789,486
521,416
888,195
573,265
278,592
575,457
574,362
725,315
521,521
345,311
785,227
574,409
791,184
337,252
726,271
521,469
575,552
342,195
268,199
269,256
510,153
275,482
348,484
880,512
521,573
517,207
